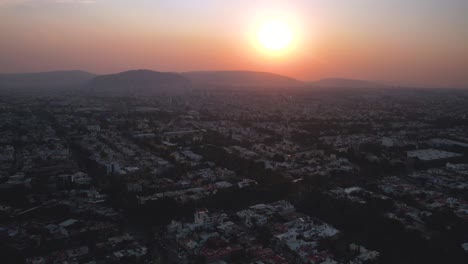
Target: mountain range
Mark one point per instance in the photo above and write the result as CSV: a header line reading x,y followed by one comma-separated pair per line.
x,y
53,79
241,79
138,82
348,83
147,82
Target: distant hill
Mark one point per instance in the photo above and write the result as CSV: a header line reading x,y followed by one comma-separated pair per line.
x,y
237,79
138,82
147,82
48,80
347,83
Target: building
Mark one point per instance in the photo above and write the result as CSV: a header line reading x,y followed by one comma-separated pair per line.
x,y
433,155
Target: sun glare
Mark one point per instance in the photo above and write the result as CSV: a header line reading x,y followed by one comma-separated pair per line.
x,y
274,36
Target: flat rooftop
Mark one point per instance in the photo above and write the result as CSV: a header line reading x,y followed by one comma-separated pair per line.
x,y
432,154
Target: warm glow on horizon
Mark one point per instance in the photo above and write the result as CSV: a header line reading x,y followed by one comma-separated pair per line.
x,y
418,42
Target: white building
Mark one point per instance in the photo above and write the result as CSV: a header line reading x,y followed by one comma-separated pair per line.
x,y
203,219
432,155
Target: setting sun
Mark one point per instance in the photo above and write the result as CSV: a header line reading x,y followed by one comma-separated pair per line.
x,y
275,36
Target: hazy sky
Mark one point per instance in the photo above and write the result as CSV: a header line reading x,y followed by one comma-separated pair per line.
x,y
419,42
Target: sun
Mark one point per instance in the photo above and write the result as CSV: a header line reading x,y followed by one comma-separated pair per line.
x,y
275,36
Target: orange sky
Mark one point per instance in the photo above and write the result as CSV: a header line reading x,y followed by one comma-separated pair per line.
x,y
423,42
